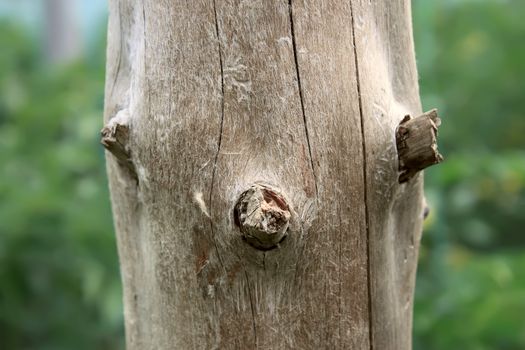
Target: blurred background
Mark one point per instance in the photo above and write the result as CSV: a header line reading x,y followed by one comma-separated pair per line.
x,y
59,278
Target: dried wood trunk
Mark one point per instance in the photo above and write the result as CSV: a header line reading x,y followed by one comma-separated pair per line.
x,y
296,102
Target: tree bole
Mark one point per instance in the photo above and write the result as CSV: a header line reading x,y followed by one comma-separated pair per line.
x,y
256,198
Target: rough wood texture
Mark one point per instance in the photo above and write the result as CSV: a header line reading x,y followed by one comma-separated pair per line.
x,y
301,96
416,141
115,138
263,216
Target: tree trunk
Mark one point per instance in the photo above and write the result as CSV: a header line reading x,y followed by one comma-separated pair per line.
x,y
254,172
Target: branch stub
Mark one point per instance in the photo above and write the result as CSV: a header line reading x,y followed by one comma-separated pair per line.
x,y
416,141
263,216
114,138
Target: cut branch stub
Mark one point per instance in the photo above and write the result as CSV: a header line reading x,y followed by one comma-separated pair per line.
x,y
263,216
114,138
417,144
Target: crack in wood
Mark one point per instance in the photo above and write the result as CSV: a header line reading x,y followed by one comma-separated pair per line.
x,y
294,46
252,307
214,169
365,181
115,79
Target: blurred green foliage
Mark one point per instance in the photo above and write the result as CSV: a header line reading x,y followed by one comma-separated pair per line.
x,y
59,280
470,291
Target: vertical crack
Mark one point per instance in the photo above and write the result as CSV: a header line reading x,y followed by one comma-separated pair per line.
x,y
119,16
340,278
254,325
145,59
146,83
145,38
294,44
214,169
363,144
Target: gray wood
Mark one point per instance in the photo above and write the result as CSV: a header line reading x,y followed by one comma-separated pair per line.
x,y
301,97
389,91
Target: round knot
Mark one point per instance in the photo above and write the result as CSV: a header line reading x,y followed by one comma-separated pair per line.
x,y
263,216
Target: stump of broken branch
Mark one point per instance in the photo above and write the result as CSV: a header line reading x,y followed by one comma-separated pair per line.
x,y
114,138
416,140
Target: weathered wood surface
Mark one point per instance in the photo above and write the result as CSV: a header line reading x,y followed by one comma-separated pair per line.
x,y
302,96
416,141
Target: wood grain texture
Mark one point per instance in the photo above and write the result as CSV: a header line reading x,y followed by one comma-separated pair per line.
x,y
389,91
302,96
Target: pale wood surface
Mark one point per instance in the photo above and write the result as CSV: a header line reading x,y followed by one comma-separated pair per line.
x,y
220,95
389,91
